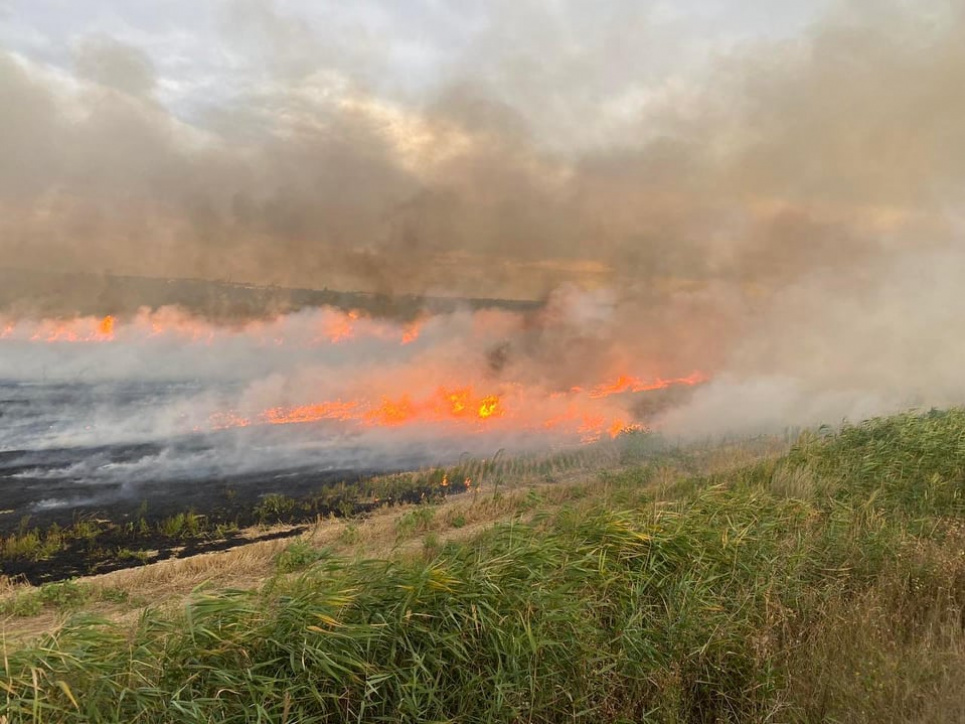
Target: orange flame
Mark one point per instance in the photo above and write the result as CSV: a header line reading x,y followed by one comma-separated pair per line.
x,y
336,410
85,329
458,401
580,415
106,328
582,410
389,412
411,332
627,383
489,407
392,412
341,327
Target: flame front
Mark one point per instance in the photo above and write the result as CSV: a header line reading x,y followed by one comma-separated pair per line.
x,y
367,394
463,408
628,383
445,405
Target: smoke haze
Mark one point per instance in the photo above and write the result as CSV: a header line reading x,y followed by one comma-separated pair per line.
x,y
779,207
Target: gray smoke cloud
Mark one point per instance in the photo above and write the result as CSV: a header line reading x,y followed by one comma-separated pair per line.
x,y
784,213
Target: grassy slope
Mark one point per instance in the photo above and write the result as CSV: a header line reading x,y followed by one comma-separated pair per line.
x,y
824,584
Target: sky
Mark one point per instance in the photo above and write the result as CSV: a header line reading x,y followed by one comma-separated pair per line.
x,y
204,54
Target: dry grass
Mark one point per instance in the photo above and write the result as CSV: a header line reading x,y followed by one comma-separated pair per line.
x,y
728,585
894,652
376,535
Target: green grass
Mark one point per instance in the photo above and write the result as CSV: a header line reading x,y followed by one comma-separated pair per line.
x,y
826,585
911,463
64,596
297,556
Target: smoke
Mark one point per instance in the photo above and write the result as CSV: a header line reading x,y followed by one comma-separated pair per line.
x,y
830,349
111,411
779,210
110,64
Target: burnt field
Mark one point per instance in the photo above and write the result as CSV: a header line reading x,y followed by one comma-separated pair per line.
x,y
83,509
116,449
39,485
90,482
113,468
75,449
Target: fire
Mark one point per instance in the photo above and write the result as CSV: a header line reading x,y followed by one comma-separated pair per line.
x,y
328,326
391,412
224,420
618,427
458,401
410,332
489,407
106,328
336,410
459,404
340,327
582,413
466,395
84,329
628,383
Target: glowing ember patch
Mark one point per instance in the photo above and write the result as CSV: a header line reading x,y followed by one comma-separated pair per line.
x,y
225,420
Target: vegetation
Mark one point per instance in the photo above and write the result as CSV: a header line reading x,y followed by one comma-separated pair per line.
x,y
298,555
63,596
825,584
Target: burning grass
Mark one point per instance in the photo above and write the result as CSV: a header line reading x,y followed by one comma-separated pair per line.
x,y
827,584
465,373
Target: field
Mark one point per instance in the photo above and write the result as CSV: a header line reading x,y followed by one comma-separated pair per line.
x,y
819,579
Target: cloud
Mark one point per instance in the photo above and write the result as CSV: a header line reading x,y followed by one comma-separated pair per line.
x,y
112,64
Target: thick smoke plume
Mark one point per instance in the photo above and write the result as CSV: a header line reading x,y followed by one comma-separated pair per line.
x,y
781,214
